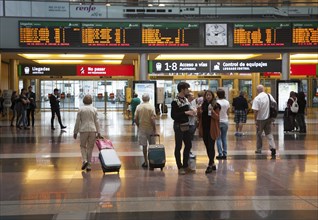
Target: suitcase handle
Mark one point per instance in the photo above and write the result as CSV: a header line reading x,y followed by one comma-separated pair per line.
x,y
155,135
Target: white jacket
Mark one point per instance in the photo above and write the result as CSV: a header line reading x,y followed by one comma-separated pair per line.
x,y
87,120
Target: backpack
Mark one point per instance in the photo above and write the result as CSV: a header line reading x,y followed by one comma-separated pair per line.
x,y
294,107
272,108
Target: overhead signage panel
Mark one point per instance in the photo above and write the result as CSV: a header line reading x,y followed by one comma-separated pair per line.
x,y
305,34
105,70
110,34
245,66
269,34
179,66
170,35
47,70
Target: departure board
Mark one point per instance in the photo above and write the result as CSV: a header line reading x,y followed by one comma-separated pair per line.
x,y
305,34
262,35
110,34
170,35
60,34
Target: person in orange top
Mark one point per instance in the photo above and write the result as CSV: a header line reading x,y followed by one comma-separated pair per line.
x,y
209,126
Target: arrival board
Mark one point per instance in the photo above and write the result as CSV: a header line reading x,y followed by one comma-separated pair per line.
x,y
61,34
262,35
170,34
305,34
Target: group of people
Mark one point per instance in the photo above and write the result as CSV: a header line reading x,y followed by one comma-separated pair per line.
x,y
23,108
212,122
295,112
207,113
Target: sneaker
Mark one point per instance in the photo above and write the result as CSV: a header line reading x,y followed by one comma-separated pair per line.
x,y
192,156
144,165
273,150
213,167
208,169
63,127
258,151
223,157
189,170
88,168
219,157
181,171
84,165
237,134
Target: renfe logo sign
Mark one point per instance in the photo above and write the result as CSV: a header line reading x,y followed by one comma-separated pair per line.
x,y
105,70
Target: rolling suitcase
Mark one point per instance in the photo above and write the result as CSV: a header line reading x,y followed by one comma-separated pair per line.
x,y
109,160
107,155
156,155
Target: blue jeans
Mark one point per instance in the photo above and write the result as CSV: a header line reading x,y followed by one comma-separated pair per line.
x,y
221,142
180,136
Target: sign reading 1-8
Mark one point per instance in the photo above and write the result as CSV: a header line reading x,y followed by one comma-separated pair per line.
x,y
179,66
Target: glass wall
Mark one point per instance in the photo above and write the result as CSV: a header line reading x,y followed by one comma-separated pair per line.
x,y
106,93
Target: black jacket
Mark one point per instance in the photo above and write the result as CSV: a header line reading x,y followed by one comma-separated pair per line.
x,y
31,97
55,102
178,113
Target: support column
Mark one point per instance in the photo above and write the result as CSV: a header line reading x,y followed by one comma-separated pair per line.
x,y
143,66
255,82
0,68
13,76
285,66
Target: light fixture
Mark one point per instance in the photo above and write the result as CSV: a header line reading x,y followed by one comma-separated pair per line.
x,y
32,56
161,5
113,56
304,56
205,56
313,61
111,61
59,61
72,55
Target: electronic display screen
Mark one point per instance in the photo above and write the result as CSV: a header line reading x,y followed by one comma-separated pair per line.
x,y
262,35
284,88
60,34
305,34
170,34
110,34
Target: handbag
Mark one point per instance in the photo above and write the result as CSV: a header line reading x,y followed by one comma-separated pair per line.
x,y
184,126
272,108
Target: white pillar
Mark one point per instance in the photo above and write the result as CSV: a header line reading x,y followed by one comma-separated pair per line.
x,y
143,63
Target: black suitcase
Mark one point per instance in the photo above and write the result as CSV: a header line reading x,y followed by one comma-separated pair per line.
x,y
288,125
156,155
164,109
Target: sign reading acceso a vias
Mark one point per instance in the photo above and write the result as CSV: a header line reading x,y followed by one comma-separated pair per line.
x,y
214,66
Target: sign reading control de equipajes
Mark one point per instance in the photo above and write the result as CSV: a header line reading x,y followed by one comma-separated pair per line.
x,y
245,66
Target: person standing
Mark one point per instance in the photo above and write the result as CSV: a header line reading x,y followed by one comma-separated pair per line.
x,y
14,100
88,126
32,106
55,108
291,114
208,128
302,110
145,119
221,142
24,105
240,108
263,122
133,105
180,112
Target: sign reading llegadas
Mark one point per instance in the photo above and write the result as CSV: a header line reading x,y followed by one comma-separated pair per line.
x,y
76,70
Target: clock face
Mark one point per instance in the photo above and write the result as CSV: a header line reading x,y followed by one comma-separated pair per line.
x,y
216,34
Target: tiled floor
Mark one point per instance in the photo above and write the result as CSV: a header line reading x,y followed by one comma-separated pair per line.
x,y
41,176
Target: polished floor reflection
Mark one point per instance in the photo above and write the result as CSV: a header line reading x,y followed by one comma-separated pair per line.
x,y
41,175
